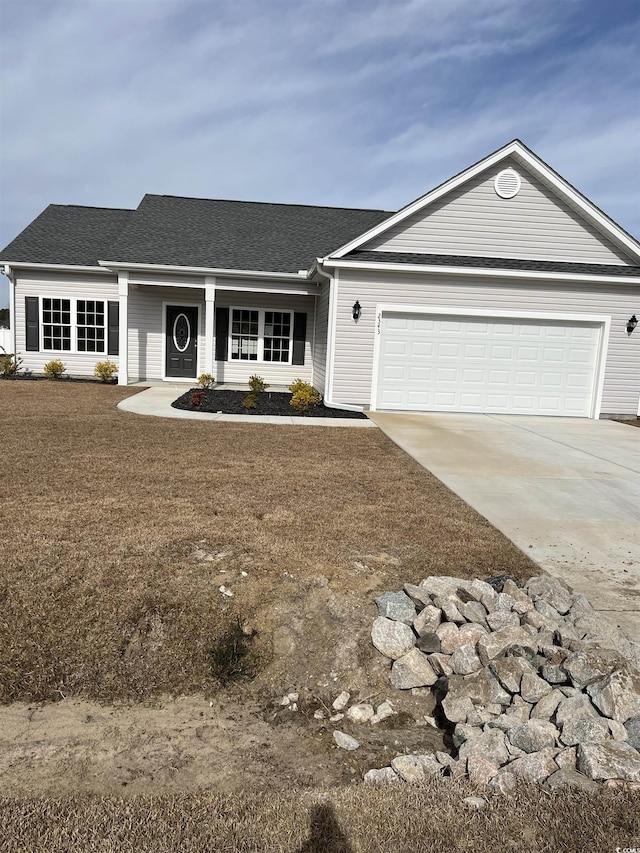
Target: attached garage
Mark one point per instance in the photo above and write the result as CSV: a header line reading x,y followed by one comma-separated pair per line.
x,y
476,362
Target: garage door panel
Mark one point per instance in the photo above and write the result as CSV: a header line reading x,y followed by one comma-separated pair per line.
x,y
441,363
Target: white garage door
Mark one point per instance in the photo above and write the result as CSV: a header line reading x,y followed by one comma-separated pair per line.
x,y
435,363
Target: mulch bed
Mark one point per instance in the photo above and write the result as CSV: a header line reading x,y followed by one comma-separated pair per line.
x,y
269,403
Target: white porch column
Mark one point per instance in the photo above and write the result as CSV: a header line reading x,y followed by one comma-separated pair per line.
x,y
209,320
13,346
123,329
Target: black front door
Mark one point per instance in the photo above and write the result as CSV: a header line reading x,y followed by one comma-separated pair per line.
x,y
182,341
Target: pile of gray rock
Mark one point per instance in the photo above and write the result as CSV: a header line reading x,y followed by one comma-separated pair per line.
x,y
530,681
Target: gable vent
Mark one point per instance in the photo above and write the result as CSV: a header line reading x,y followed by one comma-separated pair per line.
x,y
507,183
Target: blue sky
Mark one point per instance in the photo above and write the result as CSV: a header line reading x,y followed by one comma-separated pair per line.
x,y
342,102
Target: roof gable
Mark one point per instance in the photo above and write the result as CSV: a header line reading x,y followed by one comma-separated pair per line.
x,y
548,219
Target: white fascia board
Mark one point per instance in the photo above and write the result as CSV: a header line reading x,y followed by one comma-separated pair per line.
x,y
536,165
62,267
218,271
486,272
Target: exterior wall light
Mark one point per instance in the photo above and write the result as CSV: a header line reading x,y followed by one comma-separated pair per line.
x,y
632,322
357,310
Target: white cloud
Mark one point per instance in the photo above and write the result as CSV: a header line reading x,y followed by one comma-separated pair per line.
x,y
351,102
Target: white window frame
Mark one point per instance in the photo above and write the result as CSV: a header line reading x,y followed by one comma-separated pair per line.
x,y
261,324
73,312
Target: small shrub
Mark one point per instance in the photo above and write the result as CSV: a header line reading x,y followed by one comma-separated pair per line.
x,y
250,401
196,398
257,384
54,369
230,659
105,370
303,396
9,364
205,380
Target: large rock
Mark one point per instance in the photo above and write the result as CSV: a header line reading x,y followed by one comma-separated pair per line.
x,y
576,707
617,695
449,607
533,735
537,766
499,620
481,770
545,708
457,708
345,741
509,672
632,727
441,663
554,673
464,660
568,778
417,594
443,586
481,687
415,768
491,745
582,730
551,590
427,620
392,639
397,606
610,760
383,776
412,670
474,611
490,646
590,665
429,643
533,688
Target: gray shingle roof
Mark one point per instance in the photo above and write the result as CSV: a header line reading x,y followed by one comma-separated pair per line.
x,y
236,234
68,234
492,263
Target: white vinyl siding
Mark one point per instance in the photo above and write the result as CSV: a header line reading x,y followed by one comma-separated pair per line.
x,y
320,339
147,332
61,285
473,220
355,342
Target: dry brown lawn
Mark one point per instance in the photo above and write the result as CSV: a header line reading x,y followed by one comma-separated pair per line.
x,y
432,819
103,592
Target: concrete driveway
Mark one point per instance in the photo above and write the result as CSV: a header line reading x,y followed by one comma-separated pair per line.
x,y
565,490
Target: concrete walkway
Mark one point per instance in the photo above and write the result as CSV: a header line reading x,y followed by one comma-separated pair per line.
x,y
565,490
157,399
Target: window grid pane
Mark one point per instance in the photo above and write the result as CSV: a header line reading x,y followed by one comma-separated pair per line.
x,y
244,334
90,323
56,324
277,334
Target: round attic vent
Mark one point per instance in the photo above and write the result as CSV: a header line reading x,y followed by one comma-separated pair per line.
x,y
507,183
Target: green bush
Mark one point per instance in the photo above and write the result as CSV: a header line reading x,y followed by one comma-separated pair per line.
x,y
205,380
250,401
105,370
257,384
303,396
54,369
9,364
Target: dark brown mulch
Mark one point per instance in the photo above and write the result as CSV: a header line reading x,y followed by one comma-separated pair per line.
x,y
268,403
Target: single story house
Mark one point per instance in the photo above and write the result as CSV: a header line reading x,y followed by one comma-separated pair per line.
x,y
503,290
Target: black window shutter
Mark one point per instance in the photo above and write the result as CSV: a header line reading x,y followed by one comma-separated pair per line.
x,y
299,337
222,333
113,328
32,312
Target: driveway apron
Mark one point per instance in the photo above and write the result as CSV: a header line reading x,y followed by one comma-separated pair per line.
x,y
566,491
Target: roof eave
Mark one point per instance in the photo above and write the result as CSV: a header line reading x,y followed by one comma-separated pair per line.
x,y
188,270
486,272
63,267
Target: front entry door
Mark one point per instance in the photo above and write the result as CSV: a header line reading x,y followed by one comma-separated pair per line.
x,y
182,341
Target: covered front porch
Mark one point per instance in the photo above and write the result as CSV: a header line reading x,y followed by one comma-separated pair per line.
x,y
175,327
